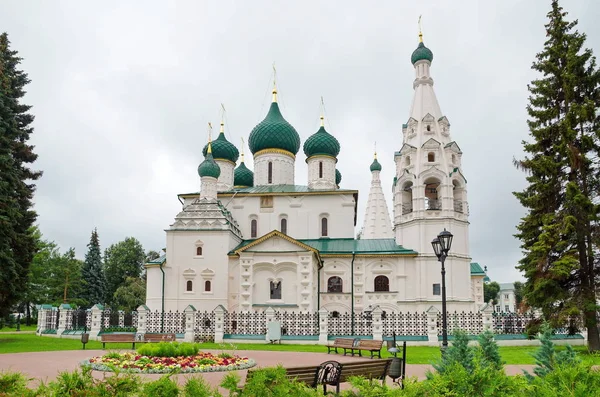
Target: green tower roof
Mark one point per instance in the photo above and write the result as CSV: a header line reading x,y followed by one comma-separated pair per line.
x,y
321,142
274,132
375,166
209,167
242,176
222,148
421,53
338,177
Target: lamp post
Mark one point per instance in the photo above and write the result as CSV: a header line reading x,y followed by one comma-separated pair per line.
x,y
441,245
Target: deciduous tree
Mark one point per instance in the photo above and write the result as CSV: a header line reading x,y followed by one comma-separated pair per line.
x,y
121,260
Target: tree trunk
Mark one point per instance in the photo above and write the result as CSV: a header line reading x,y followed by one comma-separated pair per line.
x,y
28,317
65,291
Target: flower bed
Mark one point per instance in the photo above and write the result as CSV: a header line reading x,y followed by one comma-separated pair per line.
x,y
201,362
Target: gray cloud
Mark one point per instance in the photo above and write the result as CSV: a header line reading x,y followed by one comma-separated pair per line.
x,y
122,93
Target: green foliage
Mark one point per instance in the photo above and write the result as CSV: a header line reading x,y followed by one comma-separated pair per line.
x,y
490,292
578,380
163,387
17,243
489,351
459,352
533,328
198,387
12,383
116,328
206,361
563,177
122,260
169,349
225,355
547,359
92,273
130,295
267,382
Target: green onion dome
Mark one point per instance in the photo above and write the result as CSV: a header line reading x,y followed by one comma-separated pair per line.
x,y
375,166
421,53
209,167
321,142
338,176
274,132
242,176
222,148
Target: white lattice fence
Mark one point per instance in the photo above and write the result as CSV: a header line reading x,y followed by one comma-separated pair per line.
x,y
245,323
204,326
471,323
410,324
298,324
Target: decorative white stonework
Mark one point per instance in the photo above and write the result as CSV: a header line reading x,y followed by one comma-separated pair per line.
x,y
377,218
225,181
209,188
282,166
321,172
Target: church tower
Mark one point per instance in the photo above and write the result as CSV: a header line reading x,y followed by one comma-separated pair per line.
x,y
321,151
377,218
430,191
225,154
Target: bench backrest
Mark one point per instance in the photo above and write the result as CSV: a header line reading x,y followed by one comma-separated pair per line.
x,y
344,342
371,369
301,374
370,344
159,337
117,337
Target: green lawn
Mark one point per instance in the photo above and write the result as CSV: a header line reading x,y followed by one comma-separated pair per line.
x,y
32,327
17,343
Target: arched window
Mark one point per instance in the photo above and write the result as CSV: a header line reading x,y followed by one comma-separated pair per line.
x,y
189,286
206,286
324,231
284,225
320,169
270,172
407,204
198,251
431,157
334,284
428,128
382,284
253,228
432,200
275,290
407,160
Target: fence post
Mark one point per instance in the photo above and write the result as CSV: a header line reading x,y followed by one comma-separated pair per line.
x,y
64,312
432,326
487,312
219,323
97,318
190,318
377,323
143,311
121,318
42,315
323,326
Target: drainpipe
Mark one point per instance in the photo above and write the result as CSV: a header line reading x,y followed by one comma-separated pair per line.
x,y
162,315
321,261
352,292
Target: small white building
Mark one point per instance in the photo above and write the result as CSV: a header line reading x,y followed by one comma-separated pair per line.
x,y
507,302
250,240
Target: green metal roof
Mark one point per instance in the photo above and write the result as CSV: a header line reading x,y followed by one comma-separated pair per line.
x,y
344,246
321,142
338,177
265,189
158,261
421,53
274,132
476,269
375,166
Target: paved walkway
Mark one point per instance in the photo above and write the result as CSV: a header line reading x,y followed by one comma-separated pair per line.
x,y
46,365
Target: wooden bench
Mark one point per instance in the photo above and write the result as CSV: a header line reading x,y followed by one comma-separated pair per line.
x,y
342,343
332,373
118,338
169,337
372,346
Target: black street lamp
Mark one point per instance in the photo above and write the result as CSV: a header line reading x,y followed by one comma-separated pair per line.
x,y
441,245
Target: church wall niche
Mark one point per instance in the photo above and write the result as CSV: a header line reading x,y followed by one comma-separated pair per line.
x,y
285,274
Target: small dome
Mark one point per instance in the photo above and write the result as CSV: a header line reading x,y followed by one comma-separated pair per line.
x,y
242,176
209,167
321,142
274,132
375,166
421,53
338,176
223,149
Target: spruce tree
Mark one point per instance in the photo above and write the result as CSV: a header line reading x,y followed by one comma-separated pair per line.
x,y
17,243
557,233
93,273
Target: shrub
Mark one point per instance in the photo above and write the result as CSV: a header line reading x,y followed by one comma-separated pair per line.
x,y
169,349
225,355
533,328
547,359
459,352
197,387
206,361
163,387
12,383
577,380
490,354
267,382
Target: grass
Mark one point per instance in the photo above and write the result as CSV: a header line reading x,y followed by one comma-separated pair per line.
x,y
17,343
32,327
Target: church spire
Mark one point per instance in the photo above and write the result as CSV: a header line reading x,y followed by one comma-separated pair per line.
x,y
274,84
377,217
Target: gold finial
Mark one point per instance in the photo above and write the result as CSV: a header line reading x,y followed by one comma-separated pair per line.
x,y
209,150
420,31
274,83
322,113
222,130
242,147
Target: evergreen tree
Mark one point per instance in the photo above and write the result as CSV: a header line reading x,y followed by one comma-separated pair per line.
x,y
93,274
17,244
557,234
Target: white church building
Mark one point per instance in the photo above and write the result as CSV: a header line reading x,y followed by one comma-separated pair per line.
x,y
250,240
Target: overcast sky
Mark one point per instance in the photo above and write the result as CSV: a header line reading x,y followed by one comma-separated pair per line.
x,y
122,92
